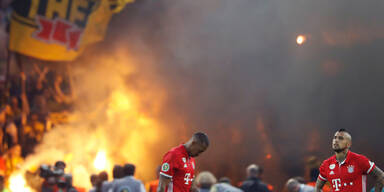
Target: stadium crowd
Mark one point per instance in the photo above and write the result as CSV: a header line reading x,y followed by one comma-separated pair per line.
x,y
31,103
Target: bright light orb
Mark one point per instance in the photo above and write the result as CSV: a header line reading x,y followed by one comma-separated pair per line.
x,y
301,39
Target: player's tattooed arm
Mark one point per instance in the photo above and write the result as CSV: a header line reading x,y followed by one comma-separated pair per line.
x,y
319,185
379,175
163,182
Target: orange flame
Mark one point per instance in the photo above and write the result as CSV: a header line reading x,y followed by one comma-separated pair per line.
x,y
113,116
101,162
17,183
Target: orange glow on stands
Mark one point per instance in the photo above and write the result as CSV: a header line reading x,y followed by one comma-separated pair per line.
x,y
271,158
116,123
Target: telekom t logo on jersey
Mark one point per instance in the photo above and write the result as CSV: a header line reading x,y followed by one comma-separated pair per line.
x,y
187,178
336,184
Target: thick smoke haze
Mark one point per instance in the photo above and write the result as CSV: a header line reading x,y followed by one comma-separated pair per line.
x,y
232,68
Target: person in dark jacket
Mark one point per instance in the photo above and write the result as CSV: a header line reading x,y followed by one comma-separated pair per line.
x,y
253,182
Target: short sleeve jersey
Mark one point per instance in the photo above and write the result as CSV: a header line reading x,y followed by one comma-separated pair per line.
x,y
349,175
180,167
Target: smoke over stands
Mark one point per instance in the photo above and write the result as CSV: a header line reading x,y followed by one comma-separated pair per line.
x,y
233,69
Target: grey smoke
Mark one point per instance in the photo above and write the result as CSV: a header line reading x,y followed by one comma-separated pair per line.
x,y
227,63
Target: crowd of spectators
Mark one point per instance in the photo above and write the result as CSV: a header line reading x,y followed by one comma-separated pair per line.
x,y
32,104
34,98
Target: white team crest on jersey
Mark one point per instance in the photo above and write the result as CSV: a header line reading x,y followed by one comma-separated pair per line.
x,y
185,162
332,173
332,166
351,168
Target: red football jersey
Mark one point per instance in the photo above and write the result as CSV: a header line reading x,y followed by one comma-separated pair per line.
x,y
349,175
180,167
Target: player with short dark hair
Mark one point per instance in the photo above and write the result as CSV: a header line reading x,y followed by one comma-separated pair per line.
x,y
129,169
178,167
346,171
128,183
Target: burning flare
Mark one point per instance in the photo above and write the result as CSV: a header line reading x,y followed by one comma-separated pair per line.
x,y
101,161
17,183
116,121
301,39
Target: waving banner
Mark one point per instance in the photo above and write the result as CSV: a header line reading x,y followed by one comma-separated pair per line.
x,y
59,30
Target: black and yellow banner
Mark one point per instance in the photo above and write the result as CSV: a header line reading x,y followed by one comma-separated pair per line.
x,y
59,30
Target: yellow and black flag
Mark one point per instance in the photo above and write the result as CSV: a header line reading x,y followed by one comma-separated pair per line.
x,y
59,30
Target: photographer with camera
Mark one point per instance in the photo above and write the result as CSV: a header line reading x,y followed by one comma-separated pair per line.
x,y
53,177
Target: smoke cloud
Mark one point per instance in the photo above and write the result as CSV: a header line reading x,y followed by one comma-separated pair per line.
x,y
233,69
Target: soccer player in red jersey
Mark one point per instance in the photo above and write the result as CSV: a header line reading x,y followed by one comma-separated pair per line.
x,y
178,167
347,171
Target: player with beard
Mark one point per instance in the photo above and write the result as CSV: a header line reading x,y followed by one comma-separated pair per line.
x,y
346,171
178,167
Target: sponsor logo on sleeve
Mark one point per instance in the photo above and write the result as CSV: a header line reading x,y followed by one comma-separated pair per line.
x,y
165,167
